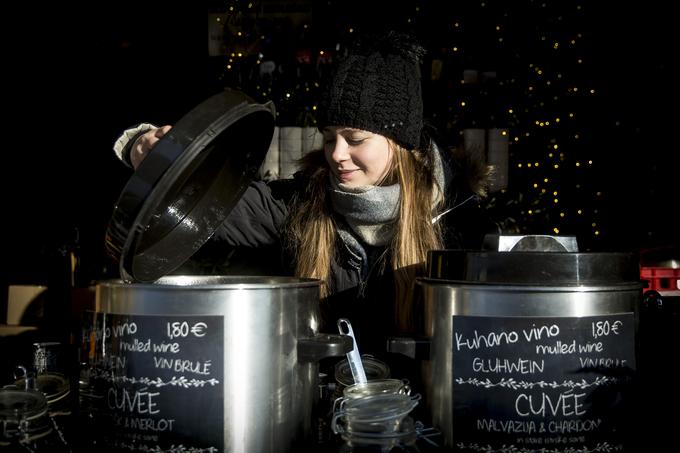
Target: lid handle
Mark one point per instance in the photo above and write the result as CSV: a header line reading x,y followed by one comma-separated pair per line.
x,y
530,243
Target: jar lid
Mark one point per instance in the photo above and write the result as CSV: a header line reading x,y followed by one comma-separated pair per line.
x,y
53,385
185,188
377,387
374,369
16,405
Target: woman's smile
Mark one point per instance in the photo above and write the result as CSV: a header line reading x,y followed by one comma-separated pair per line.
x,y
346,175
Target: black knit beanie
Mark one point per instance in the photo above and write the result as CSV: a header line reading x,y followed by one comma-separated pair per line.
x,y
376,87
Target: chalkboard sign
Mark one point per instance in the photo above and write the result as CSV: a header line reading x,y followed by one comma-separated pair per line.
x,y
543,384
160,382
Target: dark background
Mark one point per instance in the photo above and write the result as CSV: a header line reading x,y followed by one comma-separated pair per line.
x,y
75,77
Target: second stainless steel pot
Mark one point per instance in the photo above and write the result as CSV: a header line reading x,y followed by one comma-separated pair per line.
x,y
530,348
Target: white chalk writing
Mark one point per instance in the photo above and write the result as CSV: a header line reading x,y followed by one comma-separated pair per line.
x,y
497,365
489,340
157,449
564,405
542,374
517,385
183,366
602,447
176,381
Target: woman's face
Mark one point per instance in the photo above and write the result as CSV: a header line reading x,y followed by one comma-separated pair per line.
x,y
356,157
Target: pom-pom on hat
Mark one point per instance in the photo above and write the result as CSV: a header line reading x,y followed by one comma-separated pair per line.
x,y
376,87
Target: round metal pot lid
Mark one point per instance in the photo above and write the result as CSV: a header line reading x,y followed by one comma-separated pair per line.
x,y
533,260
187,185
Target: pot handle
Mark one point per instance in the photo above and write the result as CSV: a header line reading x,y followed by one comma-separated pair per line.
x,y
415,348
323,345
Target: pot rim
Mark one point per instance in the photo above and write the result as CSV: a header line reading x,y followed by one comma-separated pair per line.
x,y
212,282
533,287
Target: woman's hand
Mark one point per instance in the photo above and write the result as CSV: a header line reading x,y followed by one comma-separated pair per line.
x,y
145,143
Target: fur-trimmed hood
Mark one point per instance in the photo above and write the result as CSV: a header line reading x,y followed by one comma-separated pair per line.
x,y
467,177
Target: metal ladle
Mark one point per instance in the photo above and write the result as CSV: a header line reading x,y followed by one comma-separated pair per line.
x,y
353,356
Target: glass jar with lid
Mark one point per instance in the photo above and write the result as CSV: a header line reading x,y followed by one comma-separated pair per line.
x,y
25,424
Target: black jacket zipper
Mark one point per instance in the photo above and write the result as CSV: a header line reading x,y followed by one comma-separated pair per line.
x,y
361,293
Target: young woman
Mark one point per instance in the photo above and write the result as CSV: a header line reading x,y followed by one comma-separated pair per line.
x,y
363,211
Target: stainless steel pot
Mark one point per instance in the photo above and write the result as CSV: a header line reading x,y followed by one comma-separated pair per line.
x,y
228,363
529,349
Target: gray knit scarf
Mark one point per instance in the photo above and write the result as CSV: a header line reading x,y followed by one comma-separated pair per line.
x,y
370,211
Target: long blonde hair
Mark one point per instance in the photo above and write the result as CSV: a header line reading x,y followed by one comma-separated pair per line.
x,y
312,232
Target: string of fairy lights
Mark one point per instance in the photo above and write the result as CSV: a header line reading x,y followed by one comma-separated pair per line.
x,y
541,94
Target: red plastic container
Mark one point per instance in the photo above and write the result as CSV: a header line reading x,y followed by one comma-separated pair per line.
x,y
661,278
